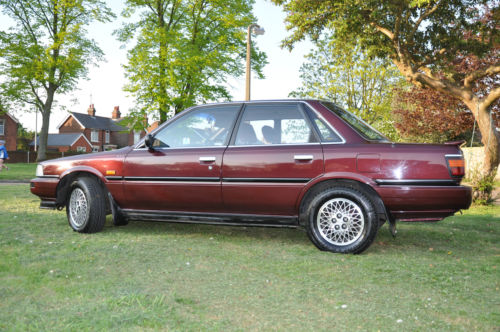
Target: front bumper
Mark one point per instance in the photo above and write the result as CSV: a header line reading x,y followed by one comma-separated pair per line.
x,y
46,189
424,203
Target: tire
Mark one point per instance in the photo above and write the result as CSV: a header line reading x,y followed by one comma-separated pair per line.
x,y
341,220
86,206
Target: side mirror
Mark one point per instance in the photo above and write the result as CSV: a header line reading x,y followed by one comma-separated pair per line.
x,y
149,140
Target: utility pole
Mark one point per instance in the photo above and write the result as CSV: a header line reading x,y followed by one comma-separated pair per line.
x,y
257,30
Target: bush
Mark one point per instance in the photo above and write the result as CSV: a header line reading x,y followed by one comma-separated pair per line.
x,y
482,186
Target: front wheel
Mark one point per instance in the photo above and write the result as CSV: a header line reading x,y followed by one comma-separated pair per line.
x,y
341,220
86,207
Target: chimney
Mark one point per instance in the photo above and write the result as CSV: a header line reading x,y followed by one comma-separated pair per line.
x,y
91,110
116,113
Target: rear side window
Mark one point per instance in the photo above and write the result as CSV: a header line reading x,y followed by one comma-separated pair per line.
x,y
356,123
274,124
324,130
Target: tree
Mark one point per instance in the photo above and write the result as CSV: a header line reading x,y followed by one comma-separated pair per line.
x,y
426,115
24,138
46,52
346,75
184,51
423,38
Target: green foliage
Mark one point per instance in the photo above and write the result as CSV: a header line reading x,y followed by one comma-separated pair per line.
x,y
46,52
47,46
422,27
482,185
348,76
24,138
184,51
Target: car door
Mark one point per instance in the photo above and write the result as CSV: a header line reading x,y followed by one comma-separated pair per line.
x,y
273,154
183,171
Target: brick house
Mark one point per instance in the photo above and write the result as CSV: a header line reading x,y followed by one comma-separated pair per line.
x,y
8,130
103,133
67,142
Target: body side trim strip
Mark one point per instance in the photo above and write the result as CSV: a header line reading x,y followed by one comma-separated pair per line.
x,y
169,178
270,180
208,179
417,182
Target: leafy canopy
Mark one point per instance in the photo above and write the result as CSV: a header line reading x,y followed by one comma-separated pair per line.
x,y
184,51
346,75
46,50
423,28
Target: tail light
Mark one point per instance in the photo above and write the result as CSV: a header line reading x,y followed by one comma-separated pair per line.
x,y
456,165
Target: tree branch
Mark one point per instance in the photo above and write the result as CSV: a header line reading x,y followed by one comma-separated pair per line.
x,y
421,18
385,31
431,59
35,93
478,74
490,98
397,24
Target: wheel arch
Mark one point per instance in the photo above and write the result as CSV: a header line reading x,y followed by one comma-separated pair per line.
x,y
341,182
68,177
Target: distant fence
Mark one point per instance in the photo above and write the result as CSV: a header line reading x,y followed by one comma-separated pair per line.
x,y
30,156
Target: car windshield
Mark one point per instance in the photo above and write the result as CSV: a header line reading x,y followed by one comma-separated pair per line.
x,y
363,128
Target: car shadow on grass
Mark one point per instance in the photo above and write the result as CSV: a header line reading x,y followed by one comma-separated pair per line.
x,y
458,234
295,235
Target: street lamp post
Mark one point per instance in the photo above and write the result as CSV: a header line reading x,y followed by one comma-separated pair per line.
x,y
256,30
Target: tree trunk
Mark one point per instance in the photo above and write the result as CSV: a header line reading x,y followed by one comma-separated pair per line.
x,y
489,137
44,133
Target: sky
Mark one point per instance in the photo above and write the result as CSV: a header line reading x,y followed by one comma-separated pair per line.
x,y
104,85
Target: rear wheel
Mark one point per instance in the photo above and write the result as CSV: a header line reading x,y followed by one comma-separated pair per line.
x,y
86,206
341,220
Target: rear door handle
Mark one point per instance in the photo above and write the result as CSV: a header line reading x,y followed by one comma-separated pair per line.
x,y
207,159
303,157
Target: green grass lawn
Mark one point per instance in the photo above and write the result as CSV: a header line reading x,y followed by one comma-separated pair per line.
x,y
18,171
149,276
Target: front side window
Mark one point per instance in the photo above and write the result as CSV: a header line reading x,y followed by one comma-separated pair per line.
x,y
94,136
2,127
81,149
274,124
95,148
356,123
206,126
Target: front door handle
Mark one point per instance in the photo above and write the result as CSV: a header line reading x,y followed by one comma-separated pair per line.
x,y
207,159
303,157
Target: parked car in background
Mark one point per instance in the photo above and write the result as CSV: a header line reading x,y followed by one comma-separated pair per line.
x,y
284,163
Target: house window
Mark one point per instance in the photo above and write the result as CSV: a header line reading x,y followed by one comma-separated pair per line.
x,y
2,127
81,149
95,148
94,136
137,136
106,139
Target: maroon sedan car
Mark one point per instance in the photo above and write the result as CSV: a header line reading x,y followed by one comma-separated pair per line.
x,y
290,163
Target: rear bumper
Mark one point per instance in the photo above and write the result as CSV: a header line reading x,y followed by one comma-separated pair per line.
x,y
424,203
